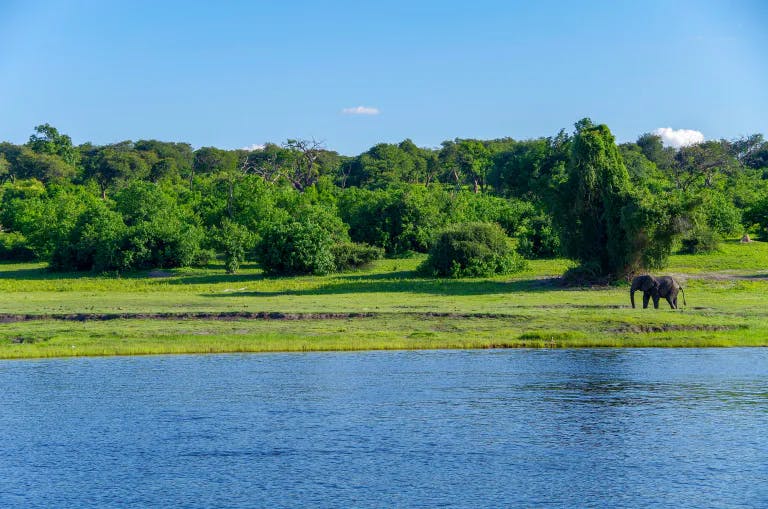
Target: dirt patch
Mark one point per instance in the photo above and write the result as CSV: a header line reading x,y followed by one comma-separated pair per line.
x,y
644,329
722,276
237,315
21,340
159,273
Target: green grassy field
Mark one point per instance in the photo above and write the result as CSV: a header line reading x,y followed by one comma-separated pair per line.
x,y
727,294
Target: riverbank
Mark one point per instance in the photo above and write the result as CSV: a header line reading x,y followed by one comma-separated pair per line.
x,y
384,307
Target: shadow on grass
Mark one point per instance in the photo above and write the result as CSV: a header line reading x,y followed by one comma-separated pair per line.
x,y
396,283
165,276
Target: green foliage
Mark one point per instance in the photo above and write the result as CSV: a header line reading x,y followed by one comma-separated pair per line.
x,y
234,240
114,165
531,169
539,239
698,241
721,214
295,248
509,213
95,243
757,215
350,255
45,216
653,223
592,198
387,164
14,247
472,250
147,230
48,140
393,196
398,219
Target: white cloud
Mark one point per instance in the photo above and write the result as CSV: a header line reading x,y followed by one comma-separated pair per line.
x,y
253,147
361,110
679,137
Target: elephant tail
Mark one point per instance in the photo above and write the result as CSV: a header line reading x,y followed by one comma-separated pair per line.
x,y
683,292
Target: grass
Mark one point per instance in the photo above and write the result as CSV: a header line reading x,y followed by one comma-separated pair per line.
x,y
726,293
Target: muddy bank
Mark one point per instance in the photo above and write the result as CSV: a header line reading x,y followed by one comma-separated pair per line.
x,y
234,315
672,328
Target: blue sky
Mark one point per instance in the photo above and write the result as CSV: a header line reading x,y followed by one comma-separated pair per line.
x,y
233,74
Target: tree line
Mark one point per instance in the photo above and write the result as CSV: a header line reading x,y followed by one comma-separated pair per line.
x,y
298,207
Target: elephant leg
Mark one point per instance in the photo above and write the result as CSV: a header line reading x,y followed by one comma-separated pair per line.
x,y
671,304
646,297
655,302
674,301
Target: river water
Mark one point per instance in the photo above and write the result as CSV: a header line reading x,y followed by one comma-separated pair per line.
x,y
514,428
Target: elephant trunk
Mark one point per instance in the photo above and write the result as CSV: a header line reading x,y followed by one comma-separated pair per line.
x,y
632,296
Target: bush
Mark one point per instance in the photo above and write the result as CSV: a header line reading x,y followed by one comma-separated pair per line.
x,y
700,240
757,215
399,219
510,214
722,216
233,239
95,243
14,247
296,248
350,255
161,233
539,239
164,242
472,250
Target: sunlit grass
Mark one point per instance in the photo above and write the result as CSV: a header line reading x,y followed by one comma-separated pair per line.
x,y
727,296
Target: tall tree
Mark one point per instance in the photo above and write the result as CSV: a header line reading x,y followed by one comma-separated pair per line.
x,y
113,164
592,198
48,140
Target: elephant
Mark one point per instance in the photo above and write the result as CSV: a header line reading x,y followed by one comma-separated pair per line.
x,y
655,288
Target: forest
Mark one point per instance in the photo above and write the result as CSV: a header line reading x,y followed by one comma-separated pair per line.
x,y
478,207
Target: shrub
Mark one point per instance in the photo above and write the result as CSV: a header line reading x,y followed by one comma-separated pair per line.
x,y
757,215
539,239
472,250
700,240
14,247
295,248
234,240
95,243
722,216
509,213
160,232
350,255
165,242
399,219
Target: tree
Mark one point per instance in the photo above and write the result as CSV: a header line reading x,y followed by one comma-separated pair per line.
x,y
166,160
304,169
233,239
43,167
211,160
751,151
48,140
652,147
700,165
472,250
591,202
5,170
113,164
296,248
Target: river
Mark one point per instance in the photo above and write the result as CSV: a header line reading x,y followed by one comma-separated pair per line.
x,y
681,428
